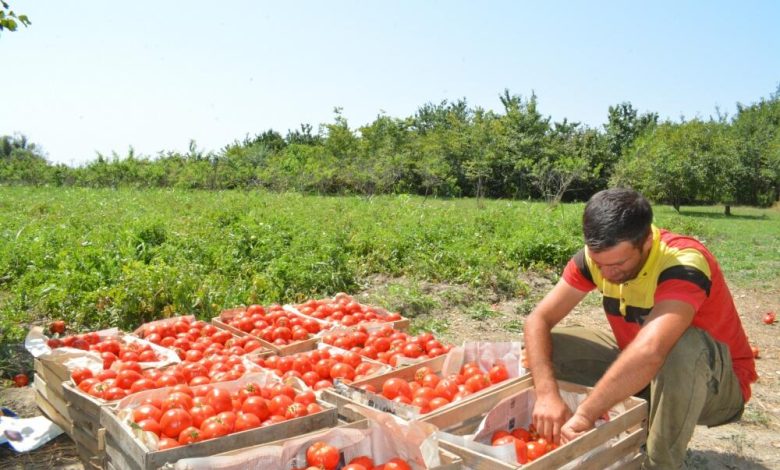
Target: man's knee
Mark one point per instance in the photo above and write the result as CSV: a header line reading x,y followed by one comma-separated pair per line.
x,y
685,358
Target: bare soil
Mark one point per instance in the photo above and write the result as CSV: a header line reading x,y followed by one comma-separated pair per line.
x,y
463,313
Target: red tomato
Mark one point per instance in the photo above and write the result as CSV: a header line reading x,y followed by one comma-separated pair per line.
x,y
174,421
394,387
146,411
498,373
167,443
57,327
80,373
769,318
756,352
213,427
257,406
220,400
246,421
150,425
189,435
534,450
322,455
21,380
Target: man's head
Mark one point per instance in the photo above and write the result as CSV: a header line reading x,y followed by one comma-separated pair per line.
x,y
616,224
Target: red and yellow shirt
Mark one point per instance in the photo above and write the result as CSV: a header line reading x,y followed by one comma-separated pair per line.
x,y
678,268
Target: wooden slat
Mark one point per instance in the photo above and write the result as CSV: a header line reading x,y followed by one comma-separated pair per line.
x,y
118,457
624,448
94,442
51,412
87,405
51,396
53,374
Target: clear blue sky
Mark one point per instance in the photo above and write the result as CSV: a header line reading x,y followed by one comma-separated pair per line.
x,y
91,76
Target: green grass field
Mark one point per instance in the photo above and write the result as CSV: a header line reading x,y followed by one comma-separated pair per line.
x,y
100,258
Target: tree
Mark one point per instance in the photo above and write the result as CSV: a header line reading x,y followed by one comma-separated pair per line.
x,y
694,161
10,20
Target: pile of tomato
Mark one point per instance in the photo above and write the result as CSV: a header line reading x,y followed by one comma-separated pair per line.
x,y
193,340
274,324
323,456
429,391
321,367
192,414
528,445
386,344
110,348
344,310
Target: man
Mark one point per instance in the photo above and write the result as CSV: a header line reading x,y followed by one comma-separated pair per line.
x,y
675,327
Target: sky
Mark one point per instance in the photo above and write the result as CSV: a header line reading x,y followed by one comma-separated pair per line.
x,y
95,76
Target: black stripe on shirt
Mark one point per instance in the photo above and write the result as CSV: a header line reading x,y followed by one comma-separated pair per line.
x,y
579,261
633,314
686,273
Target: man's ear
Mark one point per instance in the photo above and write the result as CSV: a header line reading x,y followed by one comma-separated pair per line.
x,y
647,245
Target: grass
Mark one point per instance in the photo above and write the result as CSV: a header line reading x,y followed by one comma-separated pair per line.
x,y
101,257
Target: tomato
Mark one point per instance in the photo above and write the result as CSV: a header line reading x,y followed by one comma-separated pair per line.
x,y
438,402
354,466
80,373
57,327
257,406
126,378
477,382
320,454
446,388
167,443
756,352
534,450
146,411
150,425
278,404
246,421
86,384
142,384
769,318
114,393
213,427
363,460
220,400
229,418
21,380
189,435
312,408
176,400
305,397
498,435
522,434
174,421
341,370
394,387
498,373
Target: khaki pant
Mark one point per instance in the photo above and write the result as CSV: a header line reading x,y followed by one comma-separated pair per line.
x,y
696,385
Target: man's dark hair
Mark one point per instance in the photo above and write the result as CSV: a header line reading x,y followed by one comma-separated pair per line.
x,y
616,215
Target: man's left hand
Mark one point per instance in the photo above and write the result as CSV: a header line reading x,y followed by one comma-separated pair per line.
x,y
575,427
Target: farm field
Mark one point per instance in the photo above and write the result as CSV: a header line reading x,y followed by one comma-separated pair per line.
x,y
460,268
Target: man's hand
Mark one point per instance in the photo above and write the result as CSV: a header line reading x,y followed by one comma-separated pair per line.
x,y
574,427
550,413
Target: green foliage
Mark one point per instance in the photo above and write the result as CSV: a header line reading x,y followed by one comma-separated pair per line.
x,y
9,20
98,257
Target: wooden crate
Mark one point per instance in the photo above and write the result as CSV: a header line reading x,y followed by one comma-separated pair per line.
x,y
293,348
51,411
52,397
84,409
125,451
629,427
52,373
344,395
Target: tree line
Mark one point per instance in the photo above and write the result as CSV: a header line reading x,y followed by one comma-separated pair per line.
x,y
450,149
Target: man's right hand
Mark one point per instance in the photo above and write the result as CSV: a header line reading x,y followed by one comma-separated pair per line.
x,y
550,413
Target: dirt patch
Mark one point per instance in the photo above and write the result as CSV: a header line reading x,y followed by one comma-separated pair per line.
x,y
59,453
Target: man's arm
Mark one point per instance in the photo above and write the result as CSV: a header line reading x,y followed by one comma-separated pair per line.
x,y
635,367
550,412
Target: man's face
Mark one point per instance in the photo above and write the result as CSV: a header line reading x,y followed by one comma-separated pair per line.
x,y
622,262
